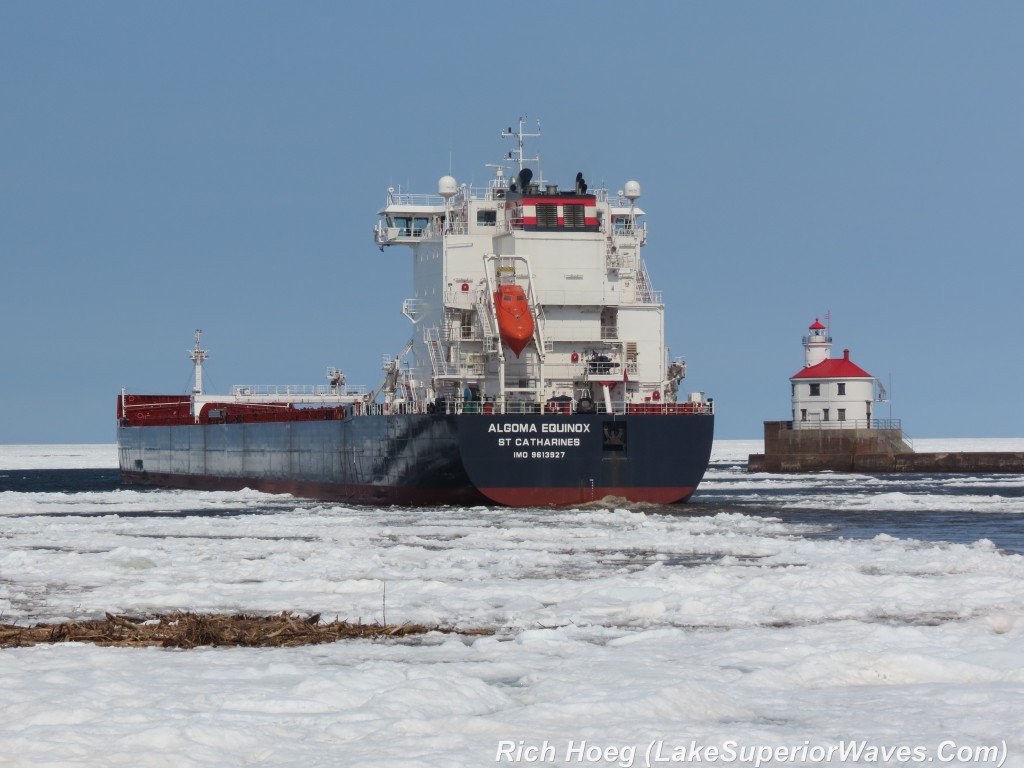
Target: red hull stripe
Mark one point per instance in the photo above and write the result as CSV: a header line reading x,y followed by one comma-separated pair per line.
x,y
377,495
564,497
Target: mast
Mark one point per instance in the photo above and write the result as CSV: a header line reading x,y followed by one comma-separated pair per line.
x,y
198,355
519,135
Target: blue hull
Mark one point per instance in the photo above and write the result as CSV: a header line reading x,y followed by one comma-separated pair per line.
x,y
416,459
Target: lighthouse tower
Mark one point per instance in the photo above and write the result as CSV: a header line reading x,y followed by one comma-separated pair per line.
x,y
830,392
817,344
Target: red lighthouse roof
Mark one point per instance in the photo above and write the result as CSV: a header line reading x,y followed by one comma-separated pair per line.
x,y
817,325
843,368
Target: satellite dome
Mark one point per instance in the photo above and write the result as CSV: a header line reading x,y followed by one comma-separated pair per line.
x,y
447,186
632,190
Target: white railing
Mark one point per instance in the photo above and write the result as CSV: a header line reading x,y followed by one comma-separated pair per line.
x,y
294,390
466,192
417,199
384,234
458,406
846,424
412,308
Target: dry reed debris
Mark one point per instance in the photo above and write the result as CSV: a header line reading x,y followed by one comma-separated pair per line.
x,y
191,630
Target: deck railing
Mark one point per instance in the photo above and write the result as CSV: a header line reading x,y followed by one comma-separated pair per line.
x,y
285,391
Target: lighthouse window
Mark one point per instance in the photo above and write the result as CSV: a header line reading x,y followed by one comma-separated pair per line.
x,y
824,416
842,414
815,390
842,388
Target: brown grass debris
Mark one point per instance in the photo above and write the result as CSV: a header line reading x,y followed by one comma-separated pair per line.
x,y
191,630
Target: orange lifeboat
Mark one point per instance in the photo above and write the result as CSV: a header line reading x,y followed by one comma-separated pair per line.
x,y
515,323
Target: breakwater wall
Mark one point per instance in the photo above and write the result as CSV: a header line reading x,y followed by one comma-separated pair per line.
x,y
882,463
837,448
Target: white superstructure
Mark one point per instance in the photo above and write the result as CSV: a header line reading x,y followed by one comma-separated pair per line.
x,y
598,326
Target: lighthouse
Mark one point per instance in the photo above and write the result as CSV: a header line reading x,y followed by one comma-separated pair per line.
x,y
830,392
833,429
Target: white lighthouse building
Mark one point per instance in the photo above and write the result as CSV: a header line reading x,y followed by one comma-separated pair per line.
x,y
830,392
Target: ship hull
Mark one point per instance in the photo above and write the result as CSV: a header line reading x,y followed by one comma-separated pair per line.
x,y
428,459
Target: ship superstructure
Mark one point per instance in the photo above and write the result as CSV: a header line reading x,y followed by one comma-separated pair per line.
x,y
573,253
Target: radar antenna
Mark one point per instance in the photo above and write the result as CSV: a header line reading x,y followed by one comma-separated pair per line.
x,y
498,182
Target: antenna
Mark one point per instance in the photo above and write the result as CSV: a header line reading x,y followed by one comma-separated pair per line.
x,y
519,135
498,182
198,355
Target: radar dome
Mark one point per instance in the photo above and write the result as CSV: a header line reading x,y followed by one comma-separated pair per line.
x,y
447,186
632,190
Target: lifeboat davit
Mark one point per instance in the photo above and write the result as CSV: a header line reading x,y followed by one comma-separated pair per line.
x,y
515,323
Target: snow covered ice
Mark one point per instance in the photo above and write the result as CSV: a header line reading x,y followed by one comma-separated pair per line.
x,y
623,637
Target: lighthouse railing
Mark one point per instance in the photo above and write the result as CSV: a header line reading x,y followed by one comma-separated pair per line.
x,y
846,424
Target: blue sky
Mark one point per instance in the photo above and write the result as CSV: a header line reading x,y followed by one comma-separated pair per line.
x,y
171,166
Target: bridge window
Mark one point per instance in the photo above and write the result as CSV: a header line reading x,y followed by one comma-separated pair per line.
x,y
487,218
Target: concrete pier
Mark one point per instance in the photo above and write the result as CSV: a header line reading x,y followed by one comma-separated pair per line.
x,y
865,451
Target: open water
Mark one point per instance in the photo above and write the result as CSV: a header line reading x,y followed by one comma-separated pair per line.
x,y
958,508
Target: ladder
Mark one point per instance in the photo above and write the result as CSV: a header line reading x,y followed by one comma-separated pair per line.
x,y
440,366
488,333
643,284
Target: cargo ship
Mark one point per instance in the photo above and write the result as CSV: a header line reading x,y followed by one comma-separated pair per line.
x,y
536,374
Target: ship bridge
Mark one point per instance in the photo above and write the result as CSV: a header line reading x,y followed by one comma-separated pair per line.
x,y
409,218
